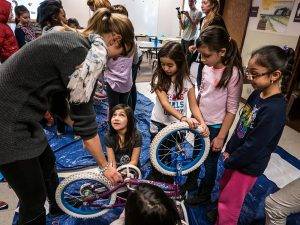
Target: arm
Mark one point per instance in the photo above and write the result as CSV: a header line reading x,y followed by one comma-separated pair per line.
x,y
135,156
196,110
234,91
111,157
182,25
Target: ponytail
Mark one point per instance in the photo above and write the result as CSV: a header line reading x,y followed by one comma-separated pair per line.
x,y
275,58
103,22
216,38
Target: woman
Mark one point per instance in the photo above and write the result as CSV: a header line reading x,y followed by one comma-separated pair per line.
x,y
47,66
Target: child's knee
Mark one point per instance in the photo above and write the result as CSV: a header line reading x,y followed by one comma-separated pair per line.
x,y
273,209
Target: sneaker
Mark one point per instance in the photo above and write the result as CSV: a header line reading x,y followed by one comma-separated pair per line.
x,y
3,205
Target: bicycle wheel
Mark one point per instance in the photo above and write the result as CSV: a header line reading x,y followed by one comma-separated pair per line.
x,y
178,141
73,195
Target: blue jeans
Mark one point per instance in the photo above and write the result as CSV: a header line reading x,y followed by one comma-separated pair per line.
x,y
210,164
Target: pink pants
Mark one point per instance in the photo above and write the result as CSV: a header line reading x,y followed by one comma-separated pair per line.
x,y
234,188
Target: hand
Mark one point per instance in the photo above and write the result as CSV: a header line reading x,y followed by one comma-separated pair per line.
x,y
204,129
193,123
192,48
217,144
113,175
186,13
225,155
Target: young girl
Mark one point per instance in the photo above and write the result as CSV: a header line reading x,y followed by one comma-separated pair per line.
x,y
28,79
173,89
24,31
123,141
219,96
149,205
53,17
258,131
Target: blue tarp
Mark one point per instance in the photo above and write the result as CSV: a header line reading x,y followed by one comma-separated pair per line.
x,y
70,155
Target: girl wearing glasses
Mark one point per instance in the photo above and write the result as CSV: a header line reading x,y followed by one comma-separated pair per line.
x,y
258,131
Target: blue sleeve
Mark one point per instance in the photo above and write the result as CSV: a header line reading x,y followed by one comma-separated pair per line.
x,y
269,123
20,36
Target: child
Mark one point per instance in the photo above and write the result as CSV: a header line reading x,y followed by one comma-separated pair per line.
x,y
54,70
73,23
118,76
123,141
53,17
219,96
258,131
149,205
8,42
173,89
24,31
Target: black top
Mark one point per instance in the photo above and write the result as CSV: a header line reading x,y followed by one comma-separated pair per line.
x,y
217,21
257,134
28,79
122,155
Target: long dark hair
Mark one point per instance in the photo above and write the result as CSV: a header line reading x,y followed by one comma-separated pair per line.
x,y
275,58
131,132
216,38
49,13
160,80
19,10
149,205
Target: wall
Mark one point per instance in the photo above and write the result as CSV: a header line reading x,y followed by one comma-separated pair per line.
x,y
152,17
255,39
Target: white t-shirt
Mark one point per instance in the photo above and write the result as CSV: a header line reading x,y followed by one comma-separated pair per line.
x,y
180,104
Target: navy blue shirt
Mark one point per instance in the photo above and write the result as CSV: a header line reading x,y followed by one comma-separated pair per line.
x,y
256,134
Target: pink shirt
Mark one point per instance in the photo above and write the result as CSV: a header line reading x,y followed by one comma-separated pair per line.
x,y
119,74
215,102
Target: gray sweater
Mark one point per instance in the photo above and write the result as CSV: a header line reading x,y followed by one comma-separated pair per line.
x,y
27,80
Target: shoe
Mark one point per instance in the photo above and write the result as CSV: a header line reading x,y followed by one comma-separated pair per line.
x,y
3,205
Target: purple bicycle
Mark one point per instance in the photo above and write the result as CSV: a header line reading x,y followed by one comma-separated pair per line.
x,y
89,195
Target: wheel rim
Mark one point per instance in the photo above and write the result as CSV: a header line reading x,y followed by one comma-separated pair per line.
x,y
191,141
73,194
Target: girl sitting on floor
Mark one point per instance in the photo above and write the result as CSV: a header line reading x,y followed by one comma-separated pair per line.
x,y
123,141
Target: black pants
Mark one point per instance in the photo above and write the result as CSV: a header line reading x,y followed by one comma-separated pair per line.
x,y
115,98
185,45
33,180
210,164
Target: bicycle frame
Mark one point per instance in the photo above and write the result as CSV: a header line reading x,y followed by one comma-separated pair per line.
x,y
172,190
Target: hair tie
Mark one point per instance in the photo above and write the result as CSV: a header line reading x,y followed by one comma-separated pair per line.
x,y
229,39
106,16
286,49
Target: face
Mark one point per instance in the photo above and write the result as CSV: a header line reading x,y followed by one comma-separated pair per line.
x,y
206,6
192,4
119,120
168,65
24,18
208,57
258,76
62,16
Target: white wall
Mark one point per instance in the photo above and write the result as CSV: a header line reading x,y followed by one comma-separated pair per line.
x,y
151,17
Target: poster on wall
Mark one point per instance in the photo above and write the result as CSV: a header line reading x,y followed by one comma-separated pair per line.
x,y
297,15
274,15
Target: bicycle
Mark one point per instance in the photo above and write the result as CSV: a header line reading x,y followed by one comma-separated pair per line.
x,y
89,195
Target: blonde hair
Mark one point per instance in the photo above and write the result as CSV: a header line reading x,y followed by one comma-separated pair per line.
x,y
103,22
97,4
214,12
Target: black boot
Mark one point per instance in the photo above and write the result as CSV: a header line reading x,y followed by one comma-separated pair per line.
x,y
51,184
40,220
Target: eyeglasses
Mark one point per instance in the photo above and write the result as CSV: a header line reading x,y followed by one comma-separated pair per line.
x,y
252,75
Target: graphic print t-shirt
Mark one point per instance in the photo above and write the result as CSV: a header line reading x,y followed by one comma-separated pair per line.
x,y
179,103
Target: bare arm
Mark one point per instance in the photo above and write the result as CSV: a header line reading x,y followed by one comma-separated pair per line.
x,y
218,142
111,157
135,156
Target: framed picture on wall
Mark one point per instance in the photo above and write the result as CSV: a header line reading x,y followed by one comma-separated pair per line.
x,y
297,15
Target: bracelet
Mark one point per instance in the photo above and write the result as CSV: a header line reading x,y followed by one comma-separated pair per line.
x,y
103,169
181,118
